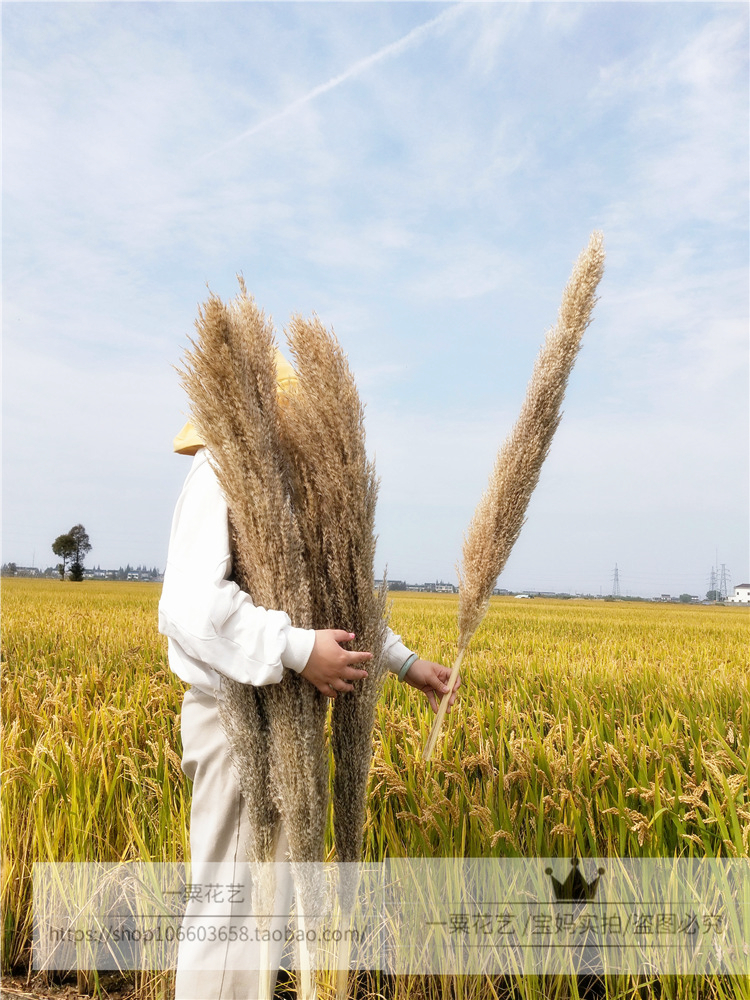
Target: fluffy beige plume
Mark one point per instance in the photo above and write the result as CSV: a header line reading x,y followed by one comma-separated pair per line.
x,y
500,514
231,411
231,381
301,495
334,495
334,491
295,710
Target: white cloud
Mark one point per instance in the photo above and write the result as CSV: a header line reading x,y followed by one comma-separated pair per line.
x,y
413,37
493,28
464,272
687,110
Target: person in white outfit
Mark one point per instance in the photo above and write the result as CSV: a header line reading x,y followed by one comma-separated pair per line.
x,y
214,631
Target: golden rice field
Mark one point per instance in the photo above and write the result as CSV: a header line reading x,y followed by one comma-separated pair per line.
x,y
613,728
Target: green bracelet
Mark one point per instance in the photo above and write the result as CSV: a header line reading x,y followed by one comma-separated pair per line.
x,y
407,663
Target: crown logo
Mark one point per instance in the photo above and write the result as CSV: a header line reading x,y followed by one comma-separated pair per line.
x,y
575,888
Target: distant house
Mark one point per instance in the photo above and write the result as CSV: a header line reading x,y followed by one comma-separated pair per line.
x,y
95,574
741,594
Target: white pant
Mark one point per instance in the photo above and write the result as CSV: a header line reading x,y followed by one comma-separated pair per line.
x,y
212,968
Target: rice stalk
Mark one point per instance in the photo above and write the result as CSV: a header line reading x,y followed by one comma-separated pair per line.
x,y
615,701
501,512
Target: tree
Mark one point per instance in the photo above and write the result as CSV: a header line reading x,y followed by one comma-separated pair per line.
x,y
74,545
64,546
80,536
713,595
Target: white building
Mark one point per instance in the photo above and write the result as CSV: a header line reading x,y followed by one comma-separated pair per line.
x,y
741,594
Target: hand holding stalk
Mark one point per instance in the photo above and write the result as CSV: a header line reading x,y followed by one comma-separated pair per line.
x,y
433,680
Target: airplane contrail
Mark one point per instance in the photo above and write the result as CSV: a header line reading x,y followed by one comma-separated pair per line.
x,y
358,67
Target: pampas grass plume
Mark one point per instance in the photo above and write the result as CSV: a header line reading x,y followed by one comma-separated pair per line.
x,y
334,491
501,512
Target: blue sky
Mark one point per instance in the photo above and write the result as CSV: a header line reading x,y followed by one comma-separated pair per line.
x,y
423,177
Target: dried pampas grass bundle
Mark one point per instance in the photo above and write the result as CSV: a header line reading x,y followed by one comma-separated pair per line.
x,y
301,494
275,733
229,379
500,514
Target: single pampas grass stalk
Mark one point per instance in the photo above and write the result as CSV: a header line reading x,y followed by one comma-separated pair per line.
x,y
334,495
500,514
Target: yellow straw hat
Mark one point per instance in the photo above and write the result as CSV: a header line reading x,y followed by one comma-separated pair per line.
x,y
188,441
